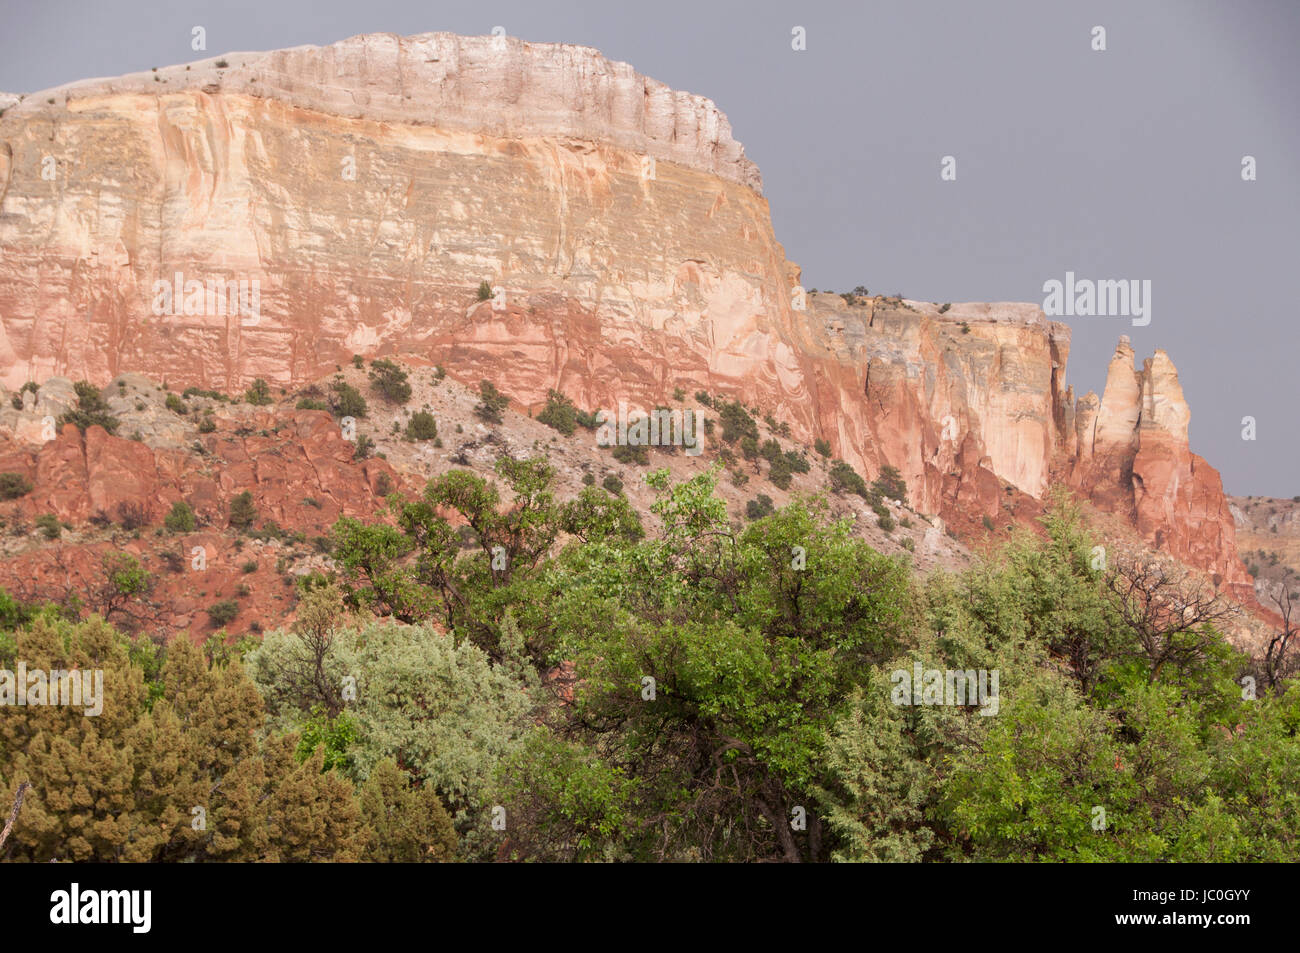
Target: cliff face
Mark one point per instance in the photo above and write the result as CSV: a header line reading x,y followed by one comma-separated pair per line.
x,y
368,214
1133,458
364,190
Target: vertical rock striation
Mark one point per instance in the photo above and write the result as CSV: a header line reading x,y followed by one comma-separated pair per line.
x,y
1139,464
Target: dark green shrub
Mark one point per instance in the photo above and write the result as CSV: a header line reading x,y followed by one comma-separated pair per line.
x,y
259,394
779,473
626,453
181,518
346,400
421,426
14,485
845,479
223,612
242,511
559,413
736,422
886,521
91,410
492,403
270,530
49,525
389,381
890,483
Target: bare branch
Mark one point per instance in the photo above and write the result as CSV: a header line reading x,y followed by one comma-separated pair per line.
x,y
13,813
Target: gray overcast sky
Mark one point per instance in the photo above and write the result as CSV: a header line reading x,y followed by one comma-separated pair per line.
x,y
1122,164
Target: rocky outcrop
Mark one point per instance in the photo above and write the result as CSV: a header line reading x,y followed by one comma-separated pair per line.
x,y
111,496
82,478
361,192
1134,459
496,86
976,388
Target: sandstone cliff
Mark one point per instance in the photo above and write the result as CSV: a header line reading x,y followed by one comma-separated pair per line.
x,y
1133,458
367,188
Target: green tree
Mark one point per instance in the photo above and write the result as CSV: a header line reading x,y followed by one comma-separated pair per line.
x,y
760,507
559,413
408,823
334,736
752,658
313,816
242,511
389,381
844,479
176,740
736,421
890,483
780,472
124,579
259,393
596,516
440,709
346,400
631,454
566,803
492,403
91,410
422,426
